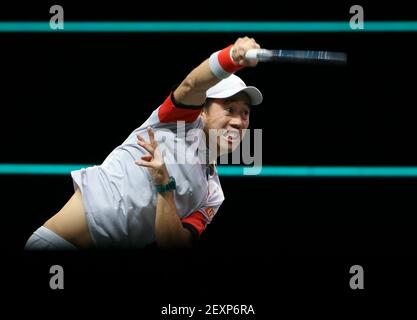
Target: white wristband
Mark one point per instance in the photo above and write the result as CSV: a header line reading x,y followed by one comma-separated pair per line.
x,y
216,68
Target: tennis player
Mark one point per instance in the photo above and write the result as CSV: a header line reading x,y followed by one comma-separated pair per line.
x,y
160,185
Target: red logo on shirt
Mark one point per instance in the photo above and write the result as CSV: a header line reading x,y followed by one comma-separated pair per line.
x,y
209,212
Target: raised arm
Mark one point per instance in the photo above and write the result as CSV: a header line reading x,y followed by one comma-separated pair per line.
x,y
192,90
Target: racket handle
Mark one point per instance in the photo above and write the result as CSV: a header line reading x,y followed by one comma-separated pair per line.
x,y
258,54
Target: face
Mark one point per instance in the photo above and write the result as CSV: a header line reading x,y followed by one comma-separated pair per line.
x,y
224,121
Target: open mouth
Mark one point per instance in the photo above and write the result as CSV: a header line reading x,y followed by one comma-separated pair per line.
x,y
231,136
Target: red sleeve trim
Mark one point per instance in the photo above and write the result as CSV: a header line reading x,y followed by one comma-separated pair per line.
x,y
168,112
197,220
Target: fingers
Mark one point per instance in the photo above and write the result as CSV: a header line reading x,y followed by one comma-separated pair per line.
x,y
147,157
139,137
150,147
257,46
151,135
146,146
143,163
154,160
241,46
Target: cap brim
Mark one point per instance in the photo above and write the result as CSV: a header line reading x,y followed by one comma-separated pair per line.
x,y
254,94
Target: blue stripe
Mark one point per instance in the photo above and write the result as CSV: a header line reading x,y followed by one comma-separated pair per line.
x,y
34,169
317,172
226,26
236,171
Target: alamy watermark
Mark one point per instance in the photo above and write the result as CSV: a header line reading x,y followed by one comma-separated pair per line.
x,y
197,146
57,280
356,281
357,20
57,20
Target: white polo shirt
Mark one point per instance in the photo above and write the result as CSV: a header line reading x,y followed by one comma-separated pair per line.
x,y
120,198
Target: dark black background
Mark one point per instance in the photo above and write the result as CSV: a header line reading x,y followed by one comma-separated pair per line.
x,y
276,243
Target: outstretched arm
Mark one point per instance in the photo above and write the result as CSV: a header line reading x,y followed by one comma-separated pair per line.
x,y
192,90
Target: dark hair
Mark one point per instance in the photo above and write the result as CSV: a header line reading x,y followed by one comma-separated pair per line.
x,y
207,103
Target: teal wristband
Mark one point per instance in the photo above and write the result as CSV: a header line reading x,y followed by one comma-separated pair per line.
x,y
163,188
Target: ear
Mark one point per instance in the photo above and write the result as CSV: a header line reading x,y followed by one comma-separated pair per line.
x,y
203,115
203,112
205,109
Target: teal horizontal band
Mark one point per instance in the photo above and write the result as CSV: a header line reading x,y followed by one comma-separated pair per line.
x,y
320,172
237,171
204,26
34,169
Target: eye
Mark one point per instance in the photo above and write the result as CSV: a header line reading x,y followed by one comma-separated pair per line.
x,y
229,109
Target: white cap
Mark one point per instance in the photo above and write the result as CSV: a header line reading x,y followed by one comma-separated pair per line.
x,y
232,85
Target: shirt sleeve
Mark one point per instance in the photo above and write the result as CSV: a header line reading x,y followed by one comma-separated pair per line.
x,y
172,111
197,222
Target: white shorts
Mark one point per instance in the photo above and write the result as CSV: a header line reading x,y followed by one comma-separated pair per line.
x,y
45,239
